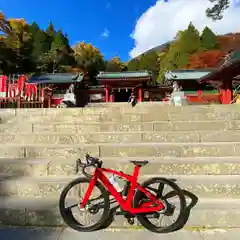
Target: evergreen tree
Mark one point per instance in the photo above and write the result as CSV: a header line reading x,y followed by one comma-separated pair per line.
x,y
33,29
50,31
186,43
149,62
133,64
40,44
189,40
59,41
58,57
208,39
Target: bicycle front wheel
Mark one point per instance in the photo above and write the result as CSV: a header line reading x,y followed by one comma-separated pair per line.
x,y
165,218
98,205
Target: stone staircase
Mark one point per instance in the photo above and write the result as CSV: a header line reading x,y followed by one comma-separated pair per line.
x,y
197,145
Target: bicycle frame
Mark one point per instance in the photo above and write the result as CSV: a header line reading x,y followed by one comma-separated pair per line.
x,y
126,204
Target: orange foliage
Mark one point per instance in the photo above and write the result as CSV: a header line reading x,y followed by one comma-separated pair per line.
x,y
207,59
229,41
76,70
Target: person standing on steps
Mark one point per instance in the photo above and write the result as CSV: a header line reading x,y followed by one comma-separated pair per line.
x,y
132,99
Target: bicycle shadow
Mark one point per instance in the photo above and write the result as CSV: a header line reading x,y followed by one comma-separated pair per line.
x,y
189,207
185,217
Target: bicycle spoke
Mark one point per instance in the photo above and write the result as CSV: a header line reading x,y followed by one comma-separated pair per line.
x,y
74,205
169,195
160,190
152,189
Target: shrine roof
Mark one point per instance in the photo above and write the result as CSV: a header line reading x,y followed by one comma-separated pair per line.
x,y
230,69
187,74
56,78
123,75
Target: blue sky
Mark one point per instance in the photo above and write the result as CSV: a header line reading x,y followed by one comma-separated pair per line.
x,y
105,23
108,24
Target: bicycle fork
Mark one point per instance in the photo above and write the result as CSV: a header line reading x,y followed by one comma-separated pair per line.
x,y
89,190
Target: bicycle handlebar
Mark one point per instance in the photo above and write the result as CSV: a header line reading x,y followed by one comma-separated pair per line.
x,y
90,162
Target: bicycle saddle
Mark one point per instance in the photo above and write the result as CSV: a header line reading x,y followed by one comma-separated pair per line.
x,y
140,163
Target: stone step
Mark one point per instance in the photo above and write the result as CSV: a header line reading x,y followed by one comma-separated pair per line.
x,y
159,165
219,186
120,137
148,112
124,117
147,149
212,213
71,127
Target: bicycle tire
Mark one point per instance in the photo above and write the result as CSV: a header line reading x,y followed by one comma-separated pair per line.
x,y
143,219
68,216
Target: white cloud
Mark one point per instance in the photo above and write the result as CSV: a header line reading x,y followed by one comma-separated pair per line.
x,y
161,22
105,33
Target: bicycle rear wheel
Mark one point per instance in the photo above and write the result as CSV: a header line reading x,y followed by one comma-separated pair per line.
x,y
161,184
97,202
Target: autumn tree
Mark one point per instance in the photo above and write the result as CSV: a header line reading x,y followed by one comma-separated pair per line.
x,y
89,59
216,12
115,65
206,59
20,42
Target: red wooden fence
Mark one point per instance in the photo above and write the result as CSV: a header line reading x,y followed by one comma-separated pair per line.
x,y
15,92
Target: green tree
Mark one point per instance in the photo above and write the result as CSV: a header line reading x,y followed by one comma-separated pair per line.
x,y
115,65
208,39
33,29
149,62
189,40
133,64
216,12
50,31
7,58
40,44
185,44
58,56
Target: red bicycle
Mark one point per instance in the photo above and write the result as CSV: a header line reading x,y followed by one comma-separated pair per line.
x,y
142,201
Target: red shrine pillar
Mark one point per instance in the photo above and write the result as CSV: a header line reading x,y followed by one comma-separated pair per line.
x,y
227,92
228,96
140,94
111,96
106,94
